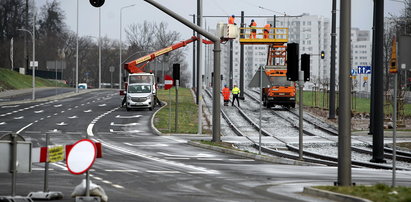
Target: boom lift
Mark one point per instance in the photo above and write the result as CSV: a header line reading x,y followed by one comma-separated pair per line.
x,y
281,92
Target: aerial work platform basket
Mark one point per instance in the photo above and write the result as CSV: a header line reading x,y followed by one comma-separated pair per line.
x,y
275,35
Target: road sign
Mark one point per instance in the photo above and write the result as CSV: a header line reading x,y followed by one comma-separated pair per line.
x,y
168,82
364,69
111,68
55,153
81,156
36,63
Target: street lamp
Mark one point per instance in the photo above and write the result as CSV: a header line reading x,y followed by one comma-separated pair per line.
x,y
120,65
33,38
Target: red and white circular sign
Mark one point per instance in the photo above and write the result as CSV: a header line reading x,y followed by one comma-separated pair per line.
x,y
168,82
81,156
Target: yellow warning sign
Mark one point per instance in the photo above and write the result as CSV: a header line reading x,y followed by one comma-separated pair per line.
x,y
55,153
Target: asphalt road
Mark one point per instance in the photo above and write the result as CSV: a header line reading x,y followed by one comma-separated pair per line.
x,y
138,165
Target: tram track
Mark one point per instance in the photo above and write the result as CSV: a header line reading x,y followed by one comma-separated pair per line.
x,y
308,156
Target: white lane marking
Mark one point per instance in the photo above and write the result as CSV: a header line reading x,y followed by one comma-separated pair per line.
x,y
209,159
121,171
241,159
88,111
175,139
24,128
10,106
41,169
127,117
146,145
122,131
20,117
3,123
54,131
102,105
72,117
125,124
105,181
186,166
82,104
176,158
40,111
55,114
91,125
90,129
88,103
163,171
118,186
69,109
48,116
59,105
61,124
200,155
60,165
62,111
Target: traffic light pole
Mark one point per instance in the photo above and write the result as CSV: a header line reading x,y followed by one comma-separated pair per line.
x,y
217,51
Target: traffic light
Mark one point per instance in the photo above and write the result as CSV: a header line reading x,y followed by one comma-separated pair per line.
x,y
292,61
305,66
322,55
176,72
96,3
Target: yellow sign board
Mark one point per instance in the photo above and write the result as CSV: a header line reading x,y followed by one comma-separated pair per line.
x,y
55,153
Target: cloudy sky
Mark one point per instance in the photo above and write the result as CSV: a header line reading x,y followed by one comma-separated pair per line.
x,y
110,13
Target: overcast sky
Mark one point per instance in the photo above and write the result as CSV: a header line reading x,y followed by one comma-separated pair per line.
x,y
110,13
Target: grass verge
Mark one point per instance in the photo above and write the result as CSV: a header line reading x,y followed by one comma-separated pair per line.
x,y
187,112
377,193
11,80
361,105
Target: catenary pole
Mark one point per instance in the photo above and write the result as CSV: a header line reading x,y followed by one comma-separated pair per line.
x,y
344,111
199,66
331,112
378,70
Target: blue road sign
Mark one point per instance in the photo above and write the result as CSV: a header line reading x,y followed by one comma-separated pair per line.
x,y
364,70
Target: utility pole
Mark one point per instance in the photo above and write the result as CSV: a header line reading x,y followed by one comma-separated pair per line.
x,y
199,66
344,111
331,112
194,55
242,58
378,70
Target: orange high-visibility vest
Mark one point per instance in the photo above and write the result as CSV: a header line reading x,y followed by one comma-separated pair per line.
x,y
226,93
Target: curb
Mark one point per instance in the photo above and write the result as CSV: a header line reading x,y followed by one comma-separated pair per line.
x,y
155,130
271,159
333,195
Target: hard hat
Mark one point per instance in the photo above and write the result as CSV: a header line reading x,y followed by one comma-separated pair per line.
x,y
233,16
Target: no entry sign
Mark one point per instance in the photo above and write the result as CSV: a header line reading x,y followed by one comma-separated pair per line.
x,y
168,82
81,156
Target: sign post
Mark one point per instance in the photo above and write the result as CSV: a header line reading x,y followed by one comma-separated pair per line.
x,y
168,83
259,80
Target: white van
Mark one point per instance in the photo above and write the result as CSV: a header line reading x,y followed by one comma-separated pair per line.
x,y
141,90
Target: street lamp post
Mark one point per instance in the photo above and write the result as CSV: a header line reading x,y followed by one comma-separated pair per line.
x,y
99,47
121,29
33,38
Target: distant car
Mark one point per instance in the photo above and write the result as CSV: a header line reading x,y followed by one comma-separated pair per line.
x,y
82,86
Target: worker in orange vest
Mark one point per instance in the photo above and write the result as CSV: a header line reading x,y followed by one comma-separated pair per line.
x,y
267,31
226,95
253,26
231,20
